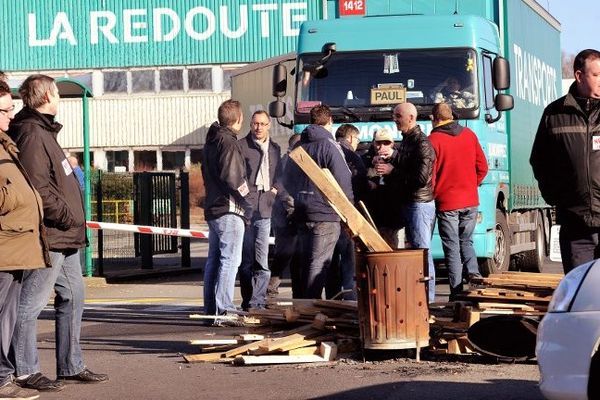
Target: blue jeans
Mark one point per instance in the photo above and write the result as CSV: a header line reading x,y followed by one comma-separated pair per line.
x,y
317,242
456,231
225,238
10,289
419,219
254,270
65,278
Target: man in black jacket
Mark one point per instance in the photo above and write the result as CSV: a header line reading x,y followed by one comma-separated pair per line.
x,y
318,224
226,208
566,162
34,130
414,171
262,157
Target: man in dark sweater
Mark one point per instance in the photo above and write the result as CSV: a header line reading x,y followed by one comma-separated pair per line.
x,y
35,130
318,224
459,169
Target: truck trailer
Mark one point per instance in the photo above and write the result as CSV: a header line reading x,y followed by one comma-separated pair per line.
x,y
504,55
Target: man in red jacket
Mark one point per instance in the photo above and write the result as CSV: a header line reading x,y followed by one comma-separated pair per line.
x,y
459,169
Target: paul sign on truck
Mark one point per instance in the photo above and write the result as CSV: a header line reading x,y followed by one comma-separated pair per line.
x,y
363,66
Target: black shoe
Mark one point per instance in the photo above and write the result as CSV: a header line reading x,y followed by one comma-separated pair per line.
x,y
40,383
85,376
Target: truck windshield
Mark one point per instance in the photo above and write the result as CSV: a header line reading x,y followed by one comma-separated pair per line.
x,y
363,82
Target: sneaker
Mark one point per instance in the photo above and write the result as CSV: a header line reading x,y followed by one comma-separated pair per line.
x,y
11,391
229,322
40,383
85,376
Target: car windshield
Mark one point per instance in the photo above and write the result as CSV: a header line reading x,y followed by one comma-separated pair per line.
x,y
379,79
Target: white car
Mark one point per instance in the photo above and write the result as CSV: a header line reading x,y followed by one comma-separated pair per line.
x,y
569,335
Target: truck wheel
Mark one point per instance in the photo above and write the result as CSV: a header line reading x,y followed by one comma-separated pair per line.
x,y
501,259
533,260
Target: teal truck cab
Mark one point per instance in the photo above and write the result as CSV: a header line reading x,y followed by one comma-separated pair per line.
x,y
465,52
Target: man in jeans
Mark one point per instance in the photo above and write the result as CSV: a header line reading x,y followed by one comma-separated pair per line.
x,y
35,130
22,249
318,224
413,171
459,169
261,157
226,208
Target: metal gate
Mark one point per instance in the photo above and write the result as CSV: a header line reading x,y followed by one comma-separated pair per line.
x,y
155,204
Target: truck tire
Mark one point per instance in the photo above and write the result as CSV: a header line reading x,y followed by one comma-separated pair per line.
x,y
533,260
501,259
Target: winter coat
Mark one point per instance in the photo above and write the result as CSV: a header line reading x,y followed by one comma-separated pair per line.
x,y
414,167
310,205
262,202
22,233
566,158
459,167
51,174
224,174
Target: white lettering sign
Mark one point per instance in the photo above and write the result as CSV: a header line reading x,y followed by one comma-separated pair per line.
x,y
536,80
199,23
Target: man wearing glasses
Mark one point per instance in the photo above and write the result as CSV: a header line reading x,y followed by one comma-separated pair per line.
x,y
261,157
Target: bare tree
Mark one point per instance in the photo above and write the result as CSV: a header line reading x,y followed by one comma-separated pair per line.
x,y
567,64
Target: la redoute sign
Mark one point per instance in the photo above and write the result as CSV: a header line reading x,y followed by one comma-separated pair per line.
x,y
68,34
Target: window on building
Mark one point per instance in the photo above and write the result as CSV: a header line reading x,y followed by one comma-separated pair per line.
x,y
196,156
117,160
115,82
142,81
173,160
200,79
171,79
144,160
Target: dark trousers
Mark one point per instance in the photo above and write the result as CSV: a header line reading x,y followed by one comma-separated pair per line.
x,y
578,244
317,242
341,271
10,291
286,256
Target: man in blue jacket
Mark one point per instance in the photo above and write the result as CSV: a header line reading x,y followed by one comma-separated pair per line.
x,y
318,224
262,156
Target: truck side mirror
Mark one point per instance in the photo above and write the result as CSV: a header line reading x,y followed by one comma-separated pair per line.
x,y
277,109
501,75
279,80
504,102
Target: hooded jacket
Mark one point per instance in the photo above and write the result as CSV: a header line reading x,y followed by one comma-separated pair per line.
x,y
51,174
460,167
22,237
566,158
310,205
224,175
414,167
262,202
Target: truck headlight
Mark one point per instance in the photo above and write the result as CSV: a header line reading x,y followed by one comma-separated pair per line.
x,y
567,289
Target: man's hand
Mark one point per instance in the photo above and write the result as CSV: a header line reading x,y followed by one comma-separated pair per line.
x,y
384,169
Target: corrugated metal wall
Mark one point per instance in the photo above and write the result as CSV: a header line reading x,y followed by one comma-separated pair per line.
x,y
140,121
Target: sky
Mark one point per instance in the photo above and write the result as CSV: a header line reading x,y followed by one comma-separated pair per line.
x,y
579,21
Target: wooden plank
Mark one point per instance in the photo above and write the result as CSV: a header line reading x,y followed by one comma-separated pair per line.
x,y
304,351
491,306
278,344
249,337
357,224
344,305
277,359
213,342
307,330
208,357
328,351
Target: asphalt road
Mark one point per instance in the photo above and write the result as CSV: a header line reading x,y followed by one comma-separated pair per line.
x,y
137,332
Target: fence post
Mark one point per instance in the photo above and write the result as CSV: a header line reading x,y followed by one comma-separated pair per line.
x,y
99,216
146,218
184,217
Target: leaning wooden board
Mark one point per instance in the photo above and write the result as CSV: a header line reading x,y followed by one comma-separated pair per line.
x,y
330,189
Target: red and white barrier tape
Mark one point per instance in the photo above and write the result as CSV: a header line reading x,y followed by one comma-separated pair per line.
x,y
153,230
